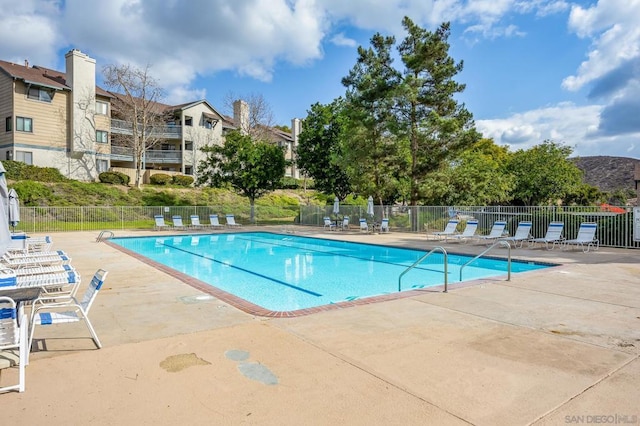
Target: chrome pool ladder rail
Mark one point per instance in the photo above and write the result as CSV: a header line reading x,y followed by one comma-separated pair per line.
x,y
497,243
417,262
104,235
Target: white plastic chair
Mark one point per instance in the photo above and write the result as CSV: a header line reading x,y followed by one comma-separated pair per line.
x,y
364,226
14,349
177,222
553,236
46,312
469,231
328,223
195,221
497,230
522,234
214,222
231,221
384,225
345,223
160,223
586,237
449,230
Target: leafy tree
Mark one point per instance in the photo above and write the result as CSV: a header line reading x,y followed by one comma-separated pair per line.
x,y
477,177
436,126
136,102
585,195
251,168
371,153
319,149
544,174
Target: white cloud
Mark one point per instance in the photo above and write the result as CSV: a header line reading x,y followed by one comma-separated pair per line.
x,y
564,123
341,40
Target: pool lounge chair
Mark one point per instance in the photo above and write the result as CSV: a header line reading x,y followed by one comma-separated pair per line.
x,y
14,349
328,223
586,237
214,222
160,223
25,260
177,222
47,312
522,234
231,221
364,226
449,230
195,222
497,231
468,233
552,237
384,225
344,226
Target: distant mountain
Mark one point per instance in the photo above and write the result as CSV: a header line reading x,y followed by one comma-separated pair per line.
x,y
608,173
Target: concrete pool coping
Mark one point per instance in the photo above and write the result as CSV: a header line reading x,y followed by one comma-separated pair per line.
x,y
544,348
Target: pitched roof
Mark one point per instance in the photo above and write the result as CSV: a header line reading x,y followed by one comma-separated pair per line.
x,y
36,75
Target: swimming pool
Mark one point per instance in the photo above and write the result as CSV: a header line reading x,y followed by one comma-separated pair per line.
x,y
287,273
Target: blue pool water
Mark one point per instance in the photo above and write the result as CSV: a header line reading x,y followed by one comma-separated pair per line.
x,y
285,272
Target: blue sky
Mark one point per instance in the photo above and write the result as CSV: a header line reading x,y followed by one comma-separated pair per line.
x,y
563,70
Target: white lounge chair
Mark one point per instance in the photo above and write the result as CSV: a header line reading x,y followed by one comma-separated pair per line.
x,y
15,260
328,223
231,221
47,312
160,223
522,234
177,222
586,237
14,349
384,225
345,223
553,236
364,226
497,230
195,222
214,222
449,230
468,233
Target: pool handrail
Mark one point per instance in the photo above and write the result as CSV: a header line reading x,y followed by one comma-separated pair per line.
x,y
437,248
501,242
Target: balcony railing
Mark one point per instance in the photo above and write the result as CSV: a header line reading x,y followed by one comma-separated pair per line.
x,y
123,153
122,127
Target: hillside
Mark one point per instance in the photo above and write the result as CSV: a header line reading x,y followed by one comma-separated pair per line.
x,y
608,173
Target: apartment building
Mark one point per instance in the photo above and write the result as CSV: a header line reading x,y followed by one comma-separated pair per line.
x,y
64,120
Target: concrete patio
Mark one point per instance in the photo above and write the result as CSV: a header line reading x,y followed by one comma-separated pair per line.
x,y
549,347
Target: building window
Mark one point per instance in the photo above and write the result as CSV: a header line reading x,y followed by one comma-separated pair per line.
x,y
24,124
102,136
188,170
8,124
188,121
40,94
188,146
25,157
102,108
103,166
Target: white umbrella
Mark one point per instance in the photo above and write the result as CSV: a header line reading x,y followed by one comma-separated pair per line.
x,y
336,206
5,234
370,211
14,208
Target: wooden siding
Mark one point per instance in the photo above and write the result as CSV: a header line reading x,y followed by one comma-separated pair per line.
x,y
6,107
49,120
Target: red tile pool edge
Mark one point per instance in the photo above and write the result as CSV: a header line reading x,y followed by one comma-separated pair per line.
x,y
253,309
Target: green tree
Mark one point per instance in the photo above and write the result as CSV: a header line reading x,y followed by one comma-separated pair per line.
x,y
477,177
319,149
437,127
371,152
251,168
544,174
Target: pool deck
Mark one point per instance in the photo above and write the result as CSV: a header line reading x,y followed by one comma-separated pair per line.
x,y
549,347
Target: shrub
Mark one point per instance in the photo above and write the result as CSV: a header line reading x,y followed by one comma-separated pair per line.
x,y
111,177
182,180
290,183
124,177
18,170
160,179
